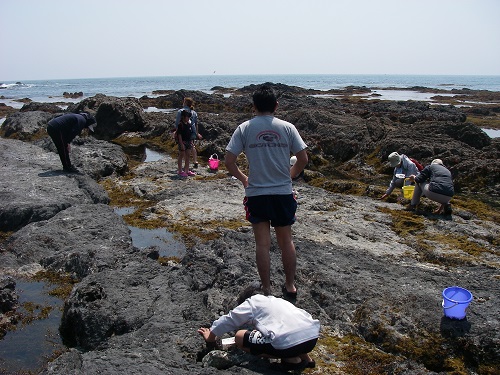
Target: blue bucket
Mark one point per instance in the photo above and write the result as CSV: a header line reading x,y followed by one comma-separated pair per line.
x,y
455,301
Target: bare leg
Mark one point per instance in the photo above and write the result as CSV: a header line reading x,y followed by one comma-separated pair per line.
x,y
186,160
417,193
179,161
238,339
262,234
291,360
195,154
288,255
305,357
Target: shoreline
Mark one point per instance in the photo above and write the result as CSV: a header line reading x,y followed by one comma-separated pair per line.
x,y
467,99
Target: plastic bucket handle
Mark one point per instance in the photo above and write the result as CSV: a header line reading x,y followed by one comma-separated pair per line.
x,y
448,307
214,156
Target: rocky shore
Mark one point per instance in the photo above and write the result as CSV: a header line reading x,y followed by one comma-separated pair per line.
x,y
370,271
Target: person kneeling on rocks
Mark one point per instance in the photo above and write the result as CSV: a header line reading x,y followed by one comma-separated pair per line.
x,y
63,129
434,182
279,329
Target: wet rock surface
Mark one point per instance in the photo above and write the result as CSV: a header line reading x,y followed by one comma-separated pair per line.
x,y
35,188
372,273
8,296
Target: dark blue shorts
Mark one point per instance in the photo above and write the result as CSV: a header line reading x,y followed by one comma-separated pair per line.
x,y
187,145
258,344
278,209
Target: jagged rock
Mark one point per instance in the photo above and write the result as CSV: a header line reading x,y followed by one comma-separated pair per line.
x,y
73,95
114,115
6,110
218,359
34,188
101,236
8,296
44,107
25,125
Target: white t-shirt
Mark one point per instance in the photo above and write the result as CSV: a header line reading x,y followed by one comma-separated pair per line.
x,y
283,323
267,143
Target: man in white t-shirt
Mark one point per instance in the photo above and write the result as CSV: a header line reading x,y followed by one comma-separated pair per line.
x,y
267,143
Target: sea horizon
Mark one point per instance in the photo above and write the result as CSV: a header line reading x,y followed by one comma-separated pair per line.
x,y
386,86
248,75
47,90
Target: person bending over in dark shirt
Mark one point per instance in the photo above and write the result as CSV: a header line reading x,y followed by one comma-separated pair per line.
x,y
64,129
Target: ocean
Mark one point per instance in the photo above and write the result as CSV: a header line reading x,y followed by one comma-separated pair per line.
x,y
52,90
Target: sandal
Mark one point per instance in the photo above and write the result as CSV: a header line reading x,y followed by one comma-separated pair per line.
x,y
447,209
311,364
289,296
287,366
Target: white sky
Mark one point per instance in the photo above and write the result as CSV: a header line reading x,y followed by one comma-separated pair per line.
x,y
56,39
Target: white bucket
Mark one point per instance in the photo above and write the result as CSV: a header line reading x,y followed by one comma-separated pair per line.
x,y
455,301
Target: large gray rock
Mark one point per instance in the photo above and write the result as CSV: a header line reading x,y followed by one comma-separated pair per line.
x,y
96,158
347,138
45,107
33,188
114,115
25,125
79,240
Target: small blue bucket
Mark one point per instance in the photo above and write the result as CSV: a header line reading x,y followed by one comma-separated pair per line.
x,y
455,301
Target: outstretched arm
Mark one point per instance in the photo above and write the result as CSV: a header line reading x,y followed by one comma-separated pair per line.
x,y
207,335
232,167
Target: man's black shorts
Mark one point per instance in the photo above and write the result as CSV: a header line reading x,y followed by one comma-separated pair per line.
x,y
278,209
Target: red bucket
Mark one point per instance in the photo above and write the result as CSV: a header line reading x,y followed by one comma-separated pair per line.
x,y
213,162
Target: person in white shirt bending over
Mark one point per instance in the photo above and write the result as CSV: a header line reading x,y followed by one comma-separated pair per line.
x,y
278,329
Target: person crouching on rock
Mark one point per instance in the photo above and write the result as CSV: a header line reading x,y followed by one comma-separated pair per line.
x,y
64,129
183,138
279,329
434,182
403,168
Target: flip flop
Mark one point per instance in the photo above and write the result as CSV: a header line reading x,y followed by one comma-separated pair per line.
x,y
287,366
289,296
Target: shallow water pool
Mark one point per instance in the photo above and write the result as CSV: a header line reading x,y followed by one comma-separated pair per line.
x,y
30,345
160,238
